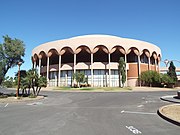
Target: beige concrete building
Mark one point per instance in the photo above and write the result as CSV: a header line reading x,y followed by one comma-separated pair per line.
x,y
97,56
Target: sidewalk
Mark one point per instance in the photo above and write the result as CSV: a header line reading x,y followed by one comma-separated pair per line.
x,y
133,89
154,89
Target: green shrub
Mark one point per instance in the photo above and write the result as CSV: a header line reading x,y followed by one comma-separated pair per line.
x,y
150,78
153,78
11,95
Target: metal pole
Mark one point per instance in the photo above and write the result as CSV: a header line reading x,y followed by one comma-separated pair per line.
x,y
17,92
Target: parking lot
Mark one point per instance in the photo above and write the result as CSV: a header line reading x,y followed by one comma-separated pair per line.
x,y
95,113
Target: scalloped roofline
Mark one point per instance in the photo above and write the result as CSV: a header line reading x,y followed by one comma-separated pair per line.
x,y
93,40
94,36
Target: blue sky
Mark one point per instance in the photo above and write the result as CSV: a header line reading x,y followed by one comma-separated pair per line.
x,y
39,21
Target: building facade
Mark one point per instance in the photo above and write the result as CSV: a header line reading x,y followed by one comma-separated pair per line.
x,y
97,57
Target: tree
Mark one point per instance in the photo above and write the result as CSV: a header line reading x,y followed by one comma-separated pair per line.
x,y
79,77
8,82
121,70
11,52
33,81
172,72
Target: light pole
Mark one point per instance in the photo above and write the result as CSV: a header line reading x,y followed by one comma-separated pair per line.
x,y
17,92
166,61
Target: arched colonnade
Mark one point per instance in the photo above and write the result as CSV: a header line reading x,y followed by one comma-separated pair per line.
x,y
98,62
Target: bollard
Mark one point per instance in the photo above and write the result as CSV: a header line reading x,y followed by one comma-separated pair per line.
x,y
178,94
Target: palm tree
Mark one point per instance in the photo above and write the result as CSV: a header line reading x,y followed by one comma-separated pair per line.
x,y
33,81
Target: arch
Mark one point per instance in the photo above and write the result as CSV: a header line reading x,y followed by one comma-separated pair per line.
x,y
154,54
132,55
134,49
117,52
53,56
100,53
120,49
36,59
144,56
83,54
43,57
67,55
102,47
66,48
52,52
153,58
42,54
81,47
146,52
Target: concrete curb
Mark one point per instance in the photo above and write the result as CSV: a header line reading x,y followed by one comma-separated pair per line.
x,y
160,113
170,98
13,100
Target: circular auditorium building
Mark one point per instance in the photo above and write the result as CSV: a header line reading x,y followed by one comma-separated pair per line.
x,y
97,57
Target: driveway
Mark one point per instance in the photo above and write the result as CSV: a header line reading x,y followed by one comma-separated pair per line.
x,y
65,113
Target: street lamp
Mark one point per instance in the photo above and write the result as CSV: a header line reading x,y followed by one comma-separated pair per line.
x,y
17,92
166,61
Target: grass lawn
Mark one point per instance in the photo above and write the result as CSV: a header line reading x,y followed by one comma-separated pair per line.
x,y
93,88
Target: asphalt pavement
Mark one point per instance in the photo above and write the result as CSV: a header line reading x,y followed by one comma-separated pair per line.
x,y
96,113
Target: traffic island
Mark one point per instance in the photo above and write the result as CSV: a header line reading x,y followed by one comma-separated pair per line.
x,y
171,98
170,113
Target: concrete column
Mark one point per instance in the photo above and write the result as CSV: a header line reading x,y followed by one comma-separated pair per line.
x,y
92,84
39,70
47,75
34,65
59,73
66,83
109,59
74,67
125,60
56,79
74,63
159,66
156,64
139,68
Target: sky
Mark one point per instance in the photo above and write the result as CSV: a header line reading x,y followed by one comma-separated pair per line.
x,y
39,21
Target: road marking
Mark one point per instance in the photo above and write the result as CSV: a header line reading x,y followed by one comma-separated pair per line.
x,y
140,105
123,111
150,101
6,105
35,103
133,130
